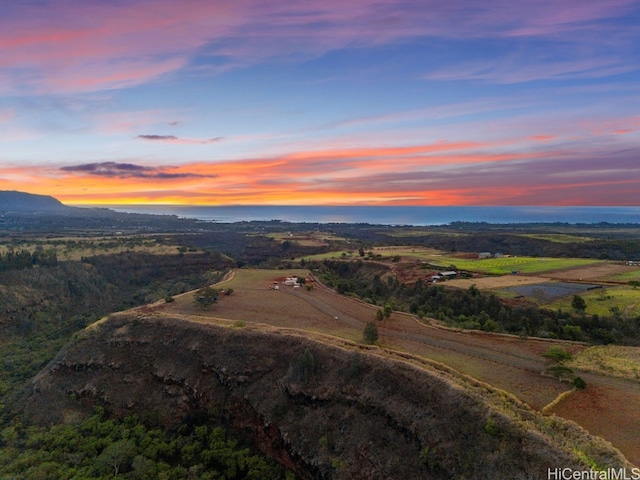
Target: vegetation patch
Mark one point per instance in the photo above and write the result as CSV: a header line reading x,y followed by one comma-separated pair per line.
x,y
612,360
622,301
558,237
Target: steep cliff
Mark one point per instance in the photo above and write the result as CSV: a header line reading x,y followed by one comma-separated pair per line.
x,y
324,407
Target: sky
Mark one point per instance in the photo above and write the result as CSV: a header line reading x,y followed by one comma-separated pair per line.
x,y
358,102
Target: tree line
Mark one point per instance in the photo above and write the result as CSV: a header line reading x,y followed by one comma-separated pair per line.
x,y
473,309
19,260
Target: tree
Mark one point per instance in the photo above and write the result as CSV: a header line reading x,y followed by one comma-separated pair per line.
x,y
117,455
207,296
578,303
370,333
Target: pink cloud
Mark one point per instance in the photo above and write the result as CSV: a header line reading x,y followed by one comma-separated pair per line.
x,y
465,173
73,45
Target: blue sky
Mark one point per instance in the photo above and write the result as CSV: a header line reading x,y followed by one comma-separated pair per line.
x,y
362,102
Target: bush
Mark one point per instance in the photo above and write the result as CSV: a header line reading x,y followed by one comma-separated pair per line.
x,y
557,354
579,383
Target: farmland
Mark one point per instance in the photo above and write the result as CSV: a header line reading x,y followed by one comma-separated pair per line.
x,y
488,266
507,362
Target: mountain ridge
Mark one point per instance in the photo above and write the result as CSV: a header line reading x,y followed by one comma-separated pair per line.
x,y
23,202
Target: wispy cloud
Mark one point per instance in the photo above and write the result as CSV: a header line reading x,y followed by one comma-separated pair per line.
x,y
174,139
128,170
433,174
72,46
158,137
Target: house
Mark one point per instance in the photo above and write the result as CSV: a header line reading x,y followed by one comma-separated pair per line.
x,y
448,275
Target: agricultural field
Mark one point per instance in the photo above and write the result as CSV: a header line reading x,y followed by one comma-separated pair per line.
x,y
496,283
507,362
307,239
601,272
630,274
489,266
525,265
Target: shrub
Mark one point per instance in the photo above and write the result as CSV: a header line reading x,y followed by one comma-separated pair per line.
x,y
579,383
557,354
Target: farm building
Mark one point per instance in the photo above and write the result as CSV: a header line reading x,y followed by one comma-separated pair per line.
x,y
291,281
482,255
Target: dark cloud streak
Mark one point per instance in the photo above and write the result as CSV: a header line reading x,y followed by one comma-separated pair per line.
x,y
128,170
158,137
174,139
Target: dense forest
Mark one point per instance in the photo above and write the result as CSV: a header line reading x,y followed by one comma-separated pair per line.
x,y
131,448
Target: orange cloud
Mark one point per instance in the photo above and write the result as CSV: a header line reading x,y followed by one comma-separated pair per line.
x,y
465,173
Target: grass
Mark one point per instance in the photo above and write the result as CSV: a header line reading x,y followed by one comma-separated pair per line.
x,y
490,266
558,237
626,277
526,265
613,360
600,301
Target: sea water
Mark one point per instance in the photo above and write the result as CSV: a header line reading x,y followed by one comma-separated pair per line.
x,y
394,215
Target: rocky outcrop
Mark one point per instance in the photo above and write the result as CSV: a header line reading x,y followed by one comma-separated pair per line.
x,y
324,407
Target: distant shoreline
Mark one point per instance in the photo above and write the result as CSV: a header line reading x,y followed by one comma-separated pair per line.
x,y
391,215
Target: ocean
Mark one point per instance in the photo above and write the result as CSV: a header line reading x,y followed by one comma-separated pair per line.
x,y
394,215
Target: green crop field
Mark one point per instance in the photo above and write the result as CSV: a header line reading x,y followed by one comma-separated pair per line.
x,y
506,265
490,266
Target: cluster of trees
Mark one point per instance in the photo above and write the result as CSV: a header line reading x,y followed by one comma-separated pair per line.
x,y
22,259
103,448
473,309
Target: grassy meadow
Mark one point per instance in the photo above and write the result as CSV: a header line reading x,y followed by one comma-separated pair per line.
x,y
601,301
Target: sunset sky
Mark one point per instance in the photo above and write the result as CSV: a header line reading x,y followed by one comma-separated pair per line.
x,y
354,102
